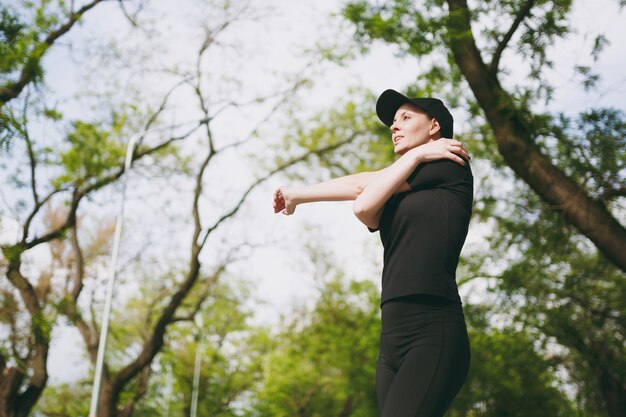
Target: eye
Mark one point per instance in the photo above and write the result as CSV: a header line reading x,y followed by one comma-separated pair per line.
x,y
405,117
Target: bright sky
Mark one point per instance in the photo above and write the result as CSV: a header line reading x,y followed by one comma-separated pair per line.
x,y
281,273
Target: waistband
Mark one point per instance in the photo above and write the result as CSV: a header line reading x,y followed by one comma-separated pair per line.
x,y
413,311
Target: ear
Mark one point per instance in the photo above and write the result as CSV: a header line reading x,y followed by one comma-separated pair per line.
x,y
435,128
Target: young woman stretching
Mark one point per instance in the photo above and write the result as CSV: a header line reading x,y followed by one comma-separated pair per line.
x,y
421,204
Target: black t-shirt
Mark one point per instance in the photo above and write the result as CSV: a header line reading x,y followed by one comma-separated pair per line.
x,y
423,231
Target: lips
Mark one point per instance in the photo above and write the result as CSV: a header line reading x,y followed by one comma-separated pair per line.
x,y
397,139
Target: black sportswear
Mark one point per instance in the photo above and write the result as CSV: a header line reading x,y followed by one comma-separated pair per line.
x,y
423,231
424,356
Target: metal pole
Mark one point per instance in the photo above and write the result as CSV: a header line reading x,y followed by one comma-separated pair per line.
x,y
196,377
168,398
95,393
134,140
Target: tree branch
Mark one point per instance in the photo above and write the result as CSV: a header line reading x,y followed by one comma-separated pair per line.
x,y
164,101
140,391
79,272
60,231
79,194
31,153
285,94
196,248
523,12
35,210
11,382
131,19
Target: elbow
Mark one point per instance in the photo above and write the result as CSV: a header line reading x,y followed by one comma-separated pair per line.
x,y
366,215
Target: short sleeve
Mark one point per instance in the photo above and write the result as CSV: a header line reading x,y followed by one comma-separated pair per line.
x,y
436,174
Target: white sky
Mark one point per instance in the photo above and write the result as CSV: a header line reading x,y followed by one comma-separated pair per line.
x,y
280,273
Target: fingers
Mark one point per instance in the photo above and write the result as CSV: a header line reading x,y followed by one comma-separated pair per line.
x,y
281,204
279,201
456,158
457,147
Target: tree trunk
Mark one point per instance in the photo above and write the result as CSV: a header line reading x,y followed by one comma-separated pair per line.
x,y
107,407
515,143
14,403
16,398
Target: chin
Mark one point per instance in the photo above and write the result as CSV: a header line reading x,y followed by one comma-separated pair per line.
x,y
401,150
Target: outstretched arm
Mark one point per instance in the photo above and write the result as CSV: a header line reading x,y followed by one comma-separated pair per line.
x,y
386,182
338,189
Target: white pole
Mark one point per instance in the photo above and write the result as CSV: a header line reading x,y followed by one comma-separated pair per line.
x,y
169,388
134,140
196,377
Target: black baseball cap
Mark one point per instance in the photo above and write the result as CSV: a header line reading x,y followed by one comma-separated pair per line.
x,y
390,100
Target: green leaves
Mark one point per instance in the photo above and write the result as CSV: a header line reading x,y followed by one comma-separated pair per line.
x,y
508,377
93,152
399,22
22,41
11,34
599,43
333,136
592,150
324,360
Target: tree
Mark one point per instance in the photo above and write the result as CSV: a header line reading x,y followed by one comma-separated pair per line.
x,y
423,30
230,352
550,280
63,173
567,183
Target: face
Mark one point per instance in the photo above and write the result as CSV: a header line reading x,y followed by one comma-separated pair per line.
x,y
411,127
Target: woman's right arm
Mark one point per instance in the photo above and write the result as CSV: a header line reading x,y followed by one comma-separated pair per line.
x,y
387,181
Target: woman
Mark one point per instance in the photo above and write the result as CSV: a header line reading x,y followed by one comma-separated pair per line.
x,y
421,204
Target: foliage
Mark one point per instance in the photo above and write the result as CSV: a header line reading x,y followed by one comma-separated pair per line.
x,y
69,399
93,152
547,277
24,32
422,29
327,357
508,375
323,362
345,129
545,273
590,149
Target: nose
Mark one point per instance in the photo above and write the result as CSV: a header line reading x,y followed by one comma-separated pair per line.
x,y
393,127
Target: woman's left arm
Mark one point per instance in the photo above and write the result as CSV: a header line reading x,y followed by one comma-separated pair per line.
x,y
368,206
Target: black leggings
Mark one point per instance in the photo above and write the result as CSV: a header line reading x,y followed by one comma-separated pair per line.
x,y
424,356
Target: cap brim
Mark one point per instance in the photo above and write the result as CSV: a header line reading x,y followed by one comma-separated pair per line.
x,y
388,103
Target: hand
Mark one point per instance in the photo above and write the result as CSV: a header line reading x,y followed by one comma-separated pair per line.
x,y
283,202
442,149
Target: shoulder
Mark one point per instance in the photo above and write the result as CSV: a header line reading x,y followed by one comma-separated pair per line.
x,y
439,173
